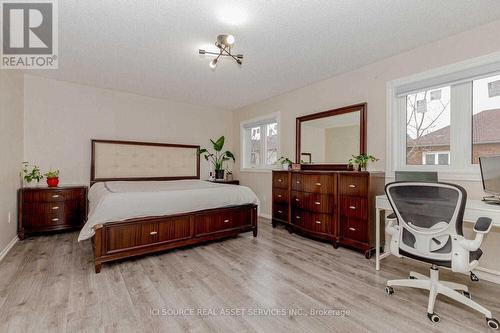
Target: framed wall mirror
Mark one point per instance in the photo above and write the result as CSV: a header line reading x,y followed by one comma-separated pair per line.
x,y
328,139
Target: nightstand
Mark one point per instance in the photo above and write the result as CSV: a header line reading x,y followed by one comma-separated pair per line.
x,y
46,209
221,181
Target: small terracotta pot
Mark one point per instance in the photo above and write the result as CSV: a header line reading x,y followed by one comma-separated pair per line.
x,y
53,182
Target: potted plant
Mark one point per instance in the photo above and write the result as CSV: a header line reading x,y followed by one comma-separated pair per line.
x,y
285,162
52,178
30,172
360,162
217,158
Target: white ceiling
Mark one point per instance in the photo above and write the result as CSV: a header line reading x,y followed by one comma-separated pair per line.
x,y
151,47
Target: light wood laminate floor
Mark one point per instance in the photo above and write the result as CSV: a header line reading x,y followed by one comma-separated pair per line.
x,y
48,284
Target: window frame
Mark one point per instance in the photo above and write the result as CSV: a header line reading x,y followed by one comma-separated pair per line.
x,y
461,167
245,124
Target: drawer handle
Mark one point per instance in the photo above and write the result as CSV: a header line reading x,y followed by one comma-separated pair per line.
x,y
55,196
280,211
352,229
55,207
352,186
226,221
317,203
318,184
352,207
298,181
279,195
318,222
280,180
55,219
153,232
297,199
297,217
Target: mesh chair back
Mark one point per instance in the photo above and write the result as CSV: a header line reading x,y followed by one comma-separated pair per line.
x,y
428,214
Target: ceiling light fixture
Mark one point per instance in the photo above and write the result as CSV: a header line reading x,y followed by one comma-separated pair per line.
x,y
224,43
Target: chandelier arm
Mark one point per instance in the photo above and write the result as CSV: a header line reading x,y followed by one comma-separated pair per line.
x,y
230,55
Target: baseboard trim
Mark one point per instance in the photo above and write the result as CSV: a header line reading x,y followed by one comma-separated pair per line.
x,y
8,247
266,216
487,274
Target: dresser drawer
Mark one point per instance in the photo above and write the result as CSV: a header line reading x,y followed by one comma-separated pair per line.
x,y
280,212
314,183
280,196
280,179
314,202
315,222
53,195
355,229
354,207
353,185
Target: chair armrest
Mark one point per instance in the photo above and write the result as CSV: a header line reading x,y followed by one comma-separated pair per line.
x,y
483,225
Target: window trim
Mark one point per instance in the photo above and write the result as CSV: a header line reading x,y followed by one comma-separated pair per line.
x,y
396,136
275,115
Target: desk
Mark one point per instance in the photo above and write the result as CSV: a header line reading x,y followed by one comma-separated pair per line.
x,y
474,209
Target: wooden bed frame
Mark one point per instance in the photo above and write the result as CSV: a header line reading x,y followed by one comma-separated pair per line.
x,y
139,236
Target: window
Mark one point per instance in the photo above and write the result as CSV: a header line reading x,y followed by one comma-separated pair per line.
x,y
260,143
445,119
427,126
436,158
485,117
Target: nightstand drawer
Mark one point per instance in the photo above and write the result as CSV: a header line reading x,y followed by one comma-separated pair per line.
x,y
52,195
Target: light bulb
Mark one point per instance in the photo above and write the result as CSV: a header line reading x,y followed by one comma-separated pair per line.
x,y
230,39
213,64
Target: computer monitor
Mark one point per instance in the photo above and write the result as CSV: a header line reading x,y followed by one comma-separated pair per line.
x,y
416,176
490,173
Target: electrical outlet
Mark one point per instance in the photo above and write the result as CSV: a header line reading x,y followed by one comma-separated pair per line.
x,y
9,217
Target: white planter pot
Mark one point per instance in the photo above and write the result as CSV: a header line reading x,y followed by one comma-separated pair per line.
x,y
286,166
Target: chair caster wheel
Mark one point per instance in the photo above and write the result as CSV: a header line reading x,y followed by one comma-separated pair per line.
x,y
474,277
368,254
467,294
389,290
492,323
433,317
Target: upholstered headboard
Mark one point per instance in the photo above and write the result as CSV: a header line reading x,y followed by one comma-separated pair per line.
x,y
129,160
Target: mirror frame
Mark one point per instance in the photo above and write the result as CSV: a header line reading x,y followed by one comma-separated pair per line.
x,y
362,107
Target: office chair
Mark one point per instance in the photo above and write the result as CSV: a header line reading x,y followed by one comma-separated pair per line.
x,y
429,228
416,176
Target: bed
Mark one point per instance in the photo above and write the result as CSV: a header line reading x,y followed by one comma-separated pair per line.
x,y
148,197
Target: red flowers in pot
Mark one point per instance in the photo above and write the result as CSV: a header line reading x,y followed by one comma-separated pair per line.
x,y
52,178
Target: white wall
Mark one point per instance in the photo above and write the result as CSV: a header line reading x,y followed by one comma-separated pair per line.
x,y
60,118
368,84
11,151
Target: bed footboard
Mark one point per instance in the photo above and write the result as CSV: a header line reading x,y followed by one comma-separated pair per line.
x,y
134,237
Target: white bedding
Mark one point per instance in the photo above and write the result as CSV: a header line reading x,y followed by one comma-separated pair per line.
x,y
121,200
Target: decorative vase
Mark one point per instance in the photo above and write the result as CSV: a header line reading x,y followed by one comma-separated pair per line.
x,y
219,174
286,166
53,182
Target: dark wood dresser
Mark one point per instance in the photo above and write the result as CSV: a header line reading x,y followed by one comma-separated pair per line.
x,y
44,209
333,205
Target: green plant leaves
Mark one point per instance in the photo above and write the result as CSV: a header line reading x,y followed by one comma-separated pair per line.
x,y
219,144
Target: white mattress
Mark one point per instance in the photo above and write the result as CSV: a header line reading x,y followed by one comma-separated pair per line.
x,y
122,200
